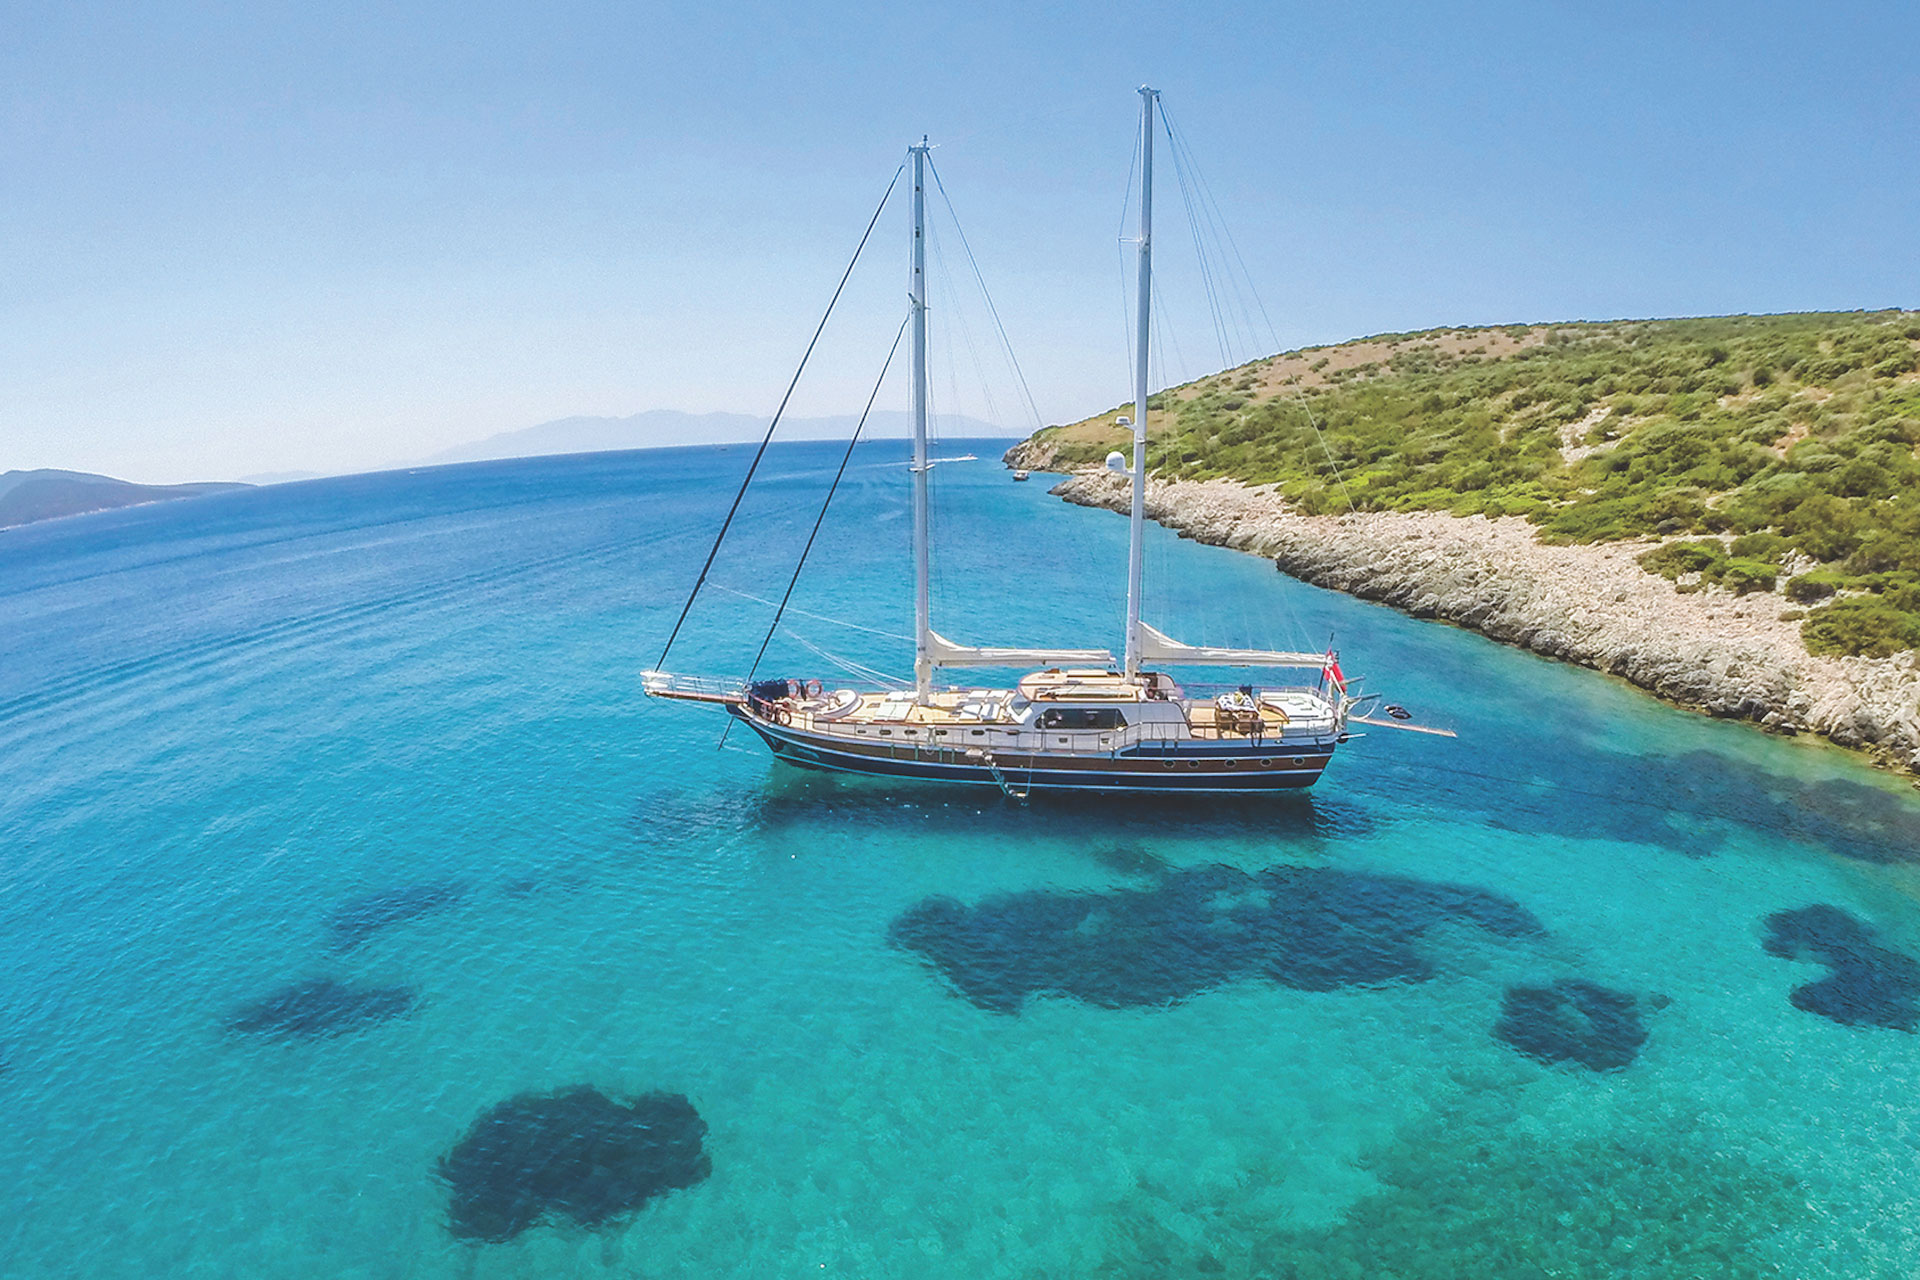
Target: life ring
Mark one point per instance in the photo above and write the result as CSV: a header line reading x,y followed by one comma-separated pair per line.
x,y
813,689
794,688
782,716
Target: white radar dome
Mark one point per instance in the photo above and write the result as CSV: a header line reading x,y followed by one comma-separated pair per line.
x,y
1116,461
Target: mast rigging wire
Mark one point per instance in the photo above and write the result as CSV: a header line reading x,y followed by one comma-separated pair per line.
x,y
1205,219
1224,229
1005,342
965,330
780,611
1213,290
833,488
817,617
1120,247
848,665
1202,198
775,423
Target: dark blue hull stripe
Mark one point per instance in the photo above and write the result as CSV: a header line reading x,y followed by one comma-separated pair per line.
x,y
813,755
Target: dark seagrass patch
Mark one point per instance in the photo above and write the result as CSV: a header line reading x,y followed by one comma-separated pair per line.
x,y
321,1007
1572,1020
1309,928
575,1154
360,918
1866,984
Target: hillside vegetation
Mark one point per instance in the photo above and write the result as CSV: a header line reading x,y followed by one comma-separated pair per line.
x,y
1771,452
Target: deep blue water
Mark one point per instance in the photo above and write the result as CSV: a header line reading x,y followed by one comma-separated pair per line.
x,y
333,819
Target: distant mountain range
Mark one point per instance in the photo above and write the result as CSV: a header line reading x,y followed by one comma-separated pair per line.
x,y
26,496
661,427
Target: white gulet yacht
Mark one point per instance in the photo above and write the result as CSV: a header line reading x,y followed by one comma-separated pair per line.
x,y
1079,720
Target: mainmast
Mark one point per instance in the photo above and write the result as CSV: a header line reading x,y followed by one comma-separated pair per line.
x,y
917,295
1136,543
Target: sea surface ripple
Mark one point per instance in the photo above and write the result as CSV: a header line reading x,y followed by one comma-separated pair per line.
x,y
360,918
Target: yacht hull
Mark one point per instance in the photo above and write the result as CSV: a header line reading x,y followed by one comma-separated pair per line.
x,y
1184,768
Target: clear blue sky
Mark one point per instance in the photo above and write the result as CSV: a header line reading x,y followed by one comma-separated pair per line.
x,y
250,237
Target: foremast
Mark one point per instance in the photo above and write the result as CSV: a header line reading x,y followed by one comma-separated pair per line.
x,y
917,297
931,651
1136,540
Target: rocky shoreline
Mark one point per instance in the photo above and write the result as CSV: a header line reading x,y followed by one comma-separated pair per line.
x,y
1708,649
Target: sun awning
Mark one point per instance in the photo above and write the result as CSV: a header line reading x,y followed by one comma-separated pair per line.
x,y
1158,647
945,653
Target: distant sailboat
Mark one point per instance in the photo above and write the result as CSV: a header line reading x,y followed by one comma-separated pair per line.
x,y
1080,720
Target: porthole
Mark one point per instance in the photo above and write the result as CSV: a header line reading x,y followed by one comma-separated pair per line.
x,y
1266,762
978,733
1193,764
1233,764
1167,764
886,733
1299,759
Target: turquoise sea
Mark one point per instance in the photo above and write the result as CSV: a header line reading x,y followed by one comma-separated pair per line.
x,y
1543,1000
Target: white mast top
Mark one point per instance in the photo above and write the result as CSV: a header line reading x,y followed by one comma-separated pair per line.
x,y
917,295
1136,543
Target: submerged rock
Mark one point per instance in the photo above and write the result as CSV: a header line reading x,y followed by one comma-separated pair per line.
x,y
361,918
322,1007
1867,984
576,1154
1571,1020
1309,928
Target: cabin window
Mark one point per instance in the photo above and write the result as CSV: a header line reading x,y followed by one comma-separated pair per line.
x,y
1082,718
978,733
886,733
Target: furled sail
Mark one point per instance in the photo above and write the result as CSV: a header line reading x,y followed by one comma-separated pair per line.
x,y
945,653
1158,647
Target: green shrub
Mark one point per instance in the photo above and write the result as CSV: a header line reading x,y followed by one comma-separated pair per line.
x,y
1764,545
1677,558
1744,576
1430,433
1823,526
1815,585
1861,626
1884,551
